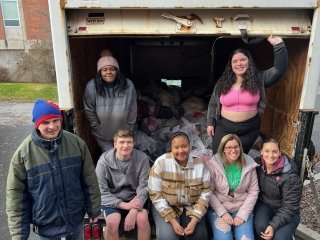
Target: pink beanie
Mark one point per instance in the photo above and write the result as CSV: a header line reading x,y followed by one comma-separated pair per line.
x,y
107,61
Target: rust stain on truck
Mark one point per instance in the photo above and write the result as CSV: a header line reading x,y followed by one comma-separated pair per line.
x,y
63,3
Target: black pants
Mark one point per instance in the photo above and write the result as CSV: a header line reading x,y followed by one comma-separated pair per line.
x,y
248,131
263,215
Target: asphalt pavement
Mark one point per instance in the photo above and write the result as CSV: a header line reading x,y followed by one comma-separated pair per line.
x,y
16,124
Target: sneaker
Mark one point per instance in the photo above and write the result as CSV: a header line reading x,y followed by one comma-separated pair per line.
x,y
87,231
96,234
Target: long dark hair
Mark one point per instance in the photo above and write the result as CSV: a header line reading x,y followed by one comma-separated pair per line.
x,y
250,83
120,84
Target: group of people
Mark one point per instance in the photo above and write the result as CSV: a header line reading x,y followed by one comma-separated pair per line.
x,y
52,181
240,197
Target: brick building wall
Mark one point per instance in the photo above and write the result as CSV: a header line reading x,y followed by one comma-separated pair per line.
x,y
27,40
2,35
34,24
36,18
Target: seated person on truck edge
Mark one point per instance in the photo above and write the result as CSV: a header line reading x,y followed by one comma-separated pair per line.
x,y
234,191
179,188
123,175
277,212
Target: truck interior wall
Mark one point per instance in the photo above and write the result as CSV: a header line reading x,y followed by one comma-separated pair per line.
x,y
282,111
154,62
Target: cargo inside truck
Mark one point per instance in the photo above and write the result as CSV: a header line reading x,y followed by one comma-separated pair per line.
x,y
177,63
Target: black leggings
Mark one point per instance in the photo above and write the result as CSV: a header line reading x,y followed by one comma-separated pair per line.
x,y
248,131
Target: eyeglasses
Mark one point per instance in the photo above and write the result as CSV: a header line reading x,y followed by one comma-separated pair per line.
x,y
230,148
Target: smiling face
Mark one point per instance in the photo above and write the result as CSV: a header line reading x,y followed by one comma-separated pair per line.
x,y
240,64
108,74
270,153
180,149
124,147
50,129
232,151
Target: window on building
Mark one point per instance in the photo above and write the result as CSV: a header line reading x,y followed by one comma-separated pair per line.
x,y
10,13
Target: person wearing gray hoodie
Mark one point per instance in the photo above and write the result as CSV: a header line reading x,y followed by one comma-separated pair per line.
x,y
110,102
123,174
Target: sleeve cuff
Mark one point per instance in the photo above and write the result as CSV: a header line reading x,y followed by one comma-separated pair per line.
x,y
169,217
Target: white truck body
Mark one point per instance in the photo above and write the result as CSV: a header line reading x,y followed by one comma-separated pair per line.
x,y
82,28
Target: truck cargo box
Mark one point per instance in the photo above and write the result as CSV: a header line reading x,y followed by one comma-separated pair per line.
x,y
190,43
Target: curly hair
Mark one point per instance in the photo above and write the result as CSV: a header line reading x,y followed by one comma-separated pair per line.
x,y
120,84
250,83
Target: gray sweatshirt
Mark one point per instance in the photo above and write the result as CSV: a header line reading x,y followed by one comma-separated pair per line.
x,y
117,185
107,114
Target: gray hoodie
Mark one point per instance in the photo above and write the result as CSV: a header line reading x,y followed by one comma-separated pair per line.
x,y
117,185
107,114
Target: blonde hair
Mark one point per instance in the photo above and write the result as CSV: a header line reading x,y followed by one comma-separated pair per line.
x,y
223,142
123,133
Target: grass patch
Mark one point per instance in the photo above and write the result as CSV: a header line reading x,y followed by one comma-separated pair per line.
x,y
28,91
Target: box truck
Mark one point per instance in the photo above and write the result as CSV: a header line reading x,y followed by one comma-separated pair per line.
x,y
187,44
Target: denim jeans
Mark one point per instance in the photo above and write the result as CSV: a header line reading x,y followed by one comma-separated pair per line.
x,y
264,214
77,235
223,231
164,230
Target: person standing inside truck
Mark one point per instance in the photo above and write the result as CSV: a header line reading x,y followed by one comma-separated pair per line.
x,y
240,94
179,188
277,209
123,180
234,191
51,181
110,102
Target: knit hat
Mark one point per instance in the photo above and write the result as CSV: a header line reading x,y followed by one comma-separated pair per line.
x,y
107,61
44,110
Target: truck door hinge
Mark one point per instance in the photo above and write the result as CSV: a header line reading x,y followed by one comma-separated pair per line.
x,y
242,21
218,21
182,22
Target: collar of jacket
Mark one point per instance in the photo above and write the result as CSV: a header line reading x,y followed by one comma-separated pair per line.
x,y
111,161
289,166
50,145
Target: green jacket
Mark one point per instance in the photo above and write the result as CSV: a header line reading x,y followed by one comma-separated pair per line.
x,y
51,184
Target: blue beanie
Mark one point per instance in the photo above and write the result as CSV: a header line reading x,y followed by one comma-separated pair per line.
x,y
44,110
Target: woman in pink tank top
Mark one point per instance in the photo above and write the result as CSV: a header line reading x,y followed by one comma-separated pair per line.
x,y
239,95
